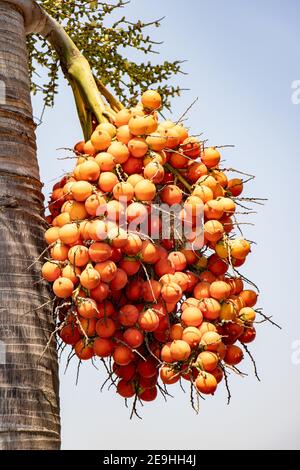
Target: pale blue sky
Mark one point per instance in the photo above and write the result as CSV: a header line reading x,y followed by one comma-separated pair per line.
x,y
242,57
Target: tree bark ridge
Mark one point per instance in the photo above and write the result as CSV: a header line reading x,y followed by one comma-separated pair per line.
x,y
29,403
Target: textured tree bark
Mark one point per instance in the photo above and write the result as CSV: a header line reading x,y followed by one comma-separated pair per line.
x,y
29,403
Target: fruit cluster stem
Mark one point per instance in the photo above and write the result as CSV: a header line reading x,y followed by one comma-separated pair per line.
x,y
78,72
179,177
87,93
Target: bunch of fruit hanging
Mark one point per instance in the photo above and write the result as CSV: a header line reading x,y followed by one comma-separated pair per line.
x,y
144,257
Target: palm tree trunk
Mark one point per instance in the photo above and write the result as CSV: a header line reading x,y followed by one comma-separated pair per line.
x,y
29,404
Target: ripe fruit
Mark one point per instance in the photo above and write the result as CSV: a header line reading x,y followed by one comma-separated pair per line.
x,y
99,252
165,353
88,325
168,376
51,271
131,266
145,190
147,368
119,151
72,273
192,336
125,372
191,147
178,260
171,292
210,309
119,281
52,235
107,181
105,328
123,191
89,278
228,205
106,161
81,190
234,355
122,117
70,334
125,389
248,336
210,341
63,287
240,248
100,139
122,355
204,193
235,186
103,347
105,309
210,157
213,230
180,350
195,171
69,233
247,314
123,134
107,127
88,171
138,147
133,337
192,316
148,320
151,290
86,307
228,311
176,331
207,361
107,270
128,315
213,209
171,195
148,394
78,255
151,100
88,148
220,290
154,172
216,266
84,351
63,218
156,141
206,383
77,211
134,179
202,290
149,253
249,297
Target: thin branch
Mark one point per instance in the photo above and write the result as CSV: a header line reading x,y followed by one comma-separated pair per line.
x,y
227,385
252,360
268,319
186,111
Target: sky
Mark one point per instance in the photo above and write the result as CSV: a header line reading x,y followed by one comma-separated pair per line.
x,y
242,58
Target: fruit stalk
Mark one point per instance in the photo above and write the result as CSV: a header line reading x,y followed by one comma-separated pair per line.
x,y
78,72
76,68
179,176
